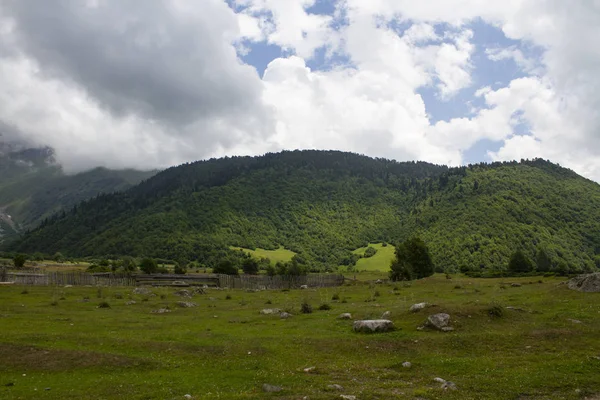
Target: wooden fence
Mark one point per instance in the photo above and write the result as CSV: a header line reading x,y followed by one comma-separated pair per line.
x,y
78,278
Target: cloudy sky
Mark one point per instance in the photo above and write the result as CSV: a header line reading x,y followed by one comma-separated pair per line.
x,y
126,83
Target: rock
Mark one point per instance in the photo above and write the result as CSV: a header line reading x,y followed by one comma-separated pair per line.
x,y
515,309
309,369
589,283
438,321
160,311
379,281
271,388
345,316
335,386
188,396
386,315
304,287
143,291
347,397
68,286
269,311
407,364
183,293
373,325
418,307
285,315
186,304
515,285
439,380
130,303
449,386
447,329
575,321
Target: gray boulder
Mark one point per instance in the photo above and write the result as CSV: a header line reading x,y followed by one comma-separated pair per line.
x,y
438,321
143,291
373,325
285,315
418,307
589,283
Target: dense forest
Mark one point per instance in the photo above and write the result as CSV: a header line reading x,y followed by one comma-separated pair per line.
x,y
324,204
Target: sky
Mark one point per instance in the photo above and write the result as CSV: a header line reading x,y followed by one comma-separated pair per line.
x,y
130,84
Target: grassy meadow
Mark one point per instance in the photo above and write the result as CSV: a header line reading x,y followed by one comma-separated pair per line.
x,y
55,343
279,255
379,262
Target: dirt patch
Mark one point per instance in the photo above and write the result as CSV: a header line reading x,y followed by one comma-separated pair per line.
x,y
31,358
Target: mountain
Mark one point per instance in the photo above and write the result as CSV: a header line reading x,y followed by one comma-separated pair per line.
x,y
33,186
324,204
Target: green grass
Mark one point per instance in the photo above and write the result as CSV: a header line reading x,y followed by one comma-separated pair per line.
x,y
275,256
224,349
379,262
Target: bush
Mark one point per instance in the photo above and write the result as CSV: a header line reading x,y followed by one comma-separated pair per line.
x,y
370,252
226,267
103,304
148,266
305,308
324,307
250,266
228,297
19,261
495,310
335,297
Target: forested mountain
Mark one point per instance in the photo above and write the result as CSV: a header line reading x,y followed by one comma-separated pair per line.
x,y
324,204
33,187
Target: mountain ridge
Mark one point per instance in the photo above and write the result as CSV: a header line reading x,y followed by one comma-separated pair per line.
x,y
324,204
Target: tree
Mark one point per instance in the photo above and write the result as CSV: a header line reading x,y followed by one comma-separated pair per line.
x,y
226,267
250,266
519,263
128,264
148,266
180,268
370,252
19,261
542,260
412,261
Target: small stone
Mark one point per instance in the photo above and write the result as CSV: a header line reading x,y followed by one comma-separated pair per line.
x,y
345,316
515,285
183,293
379,281
449,386
187,396
335,386
143,291
447,329
68,286
575,321
406,364
439,380
269,311
374,325
271,388
309,369
47,388
347,397
285,315
418,307
130,303
160,311
304,287
186,304
386,315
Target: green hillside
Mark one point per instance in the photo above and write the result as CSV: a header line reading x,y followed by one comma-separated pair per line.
x,y
322,205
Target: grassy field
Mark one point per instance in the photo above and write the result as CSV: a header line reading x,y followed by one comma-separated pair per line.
x,y
275,256
379,262
55,343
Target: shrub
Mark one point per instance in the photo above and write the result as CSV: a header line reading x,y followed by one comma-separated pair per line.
x,y
19,261
268,302
148,266
335,297
376,294
495,310
25,291
370,252
228,297
305,308
324,307
226,267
